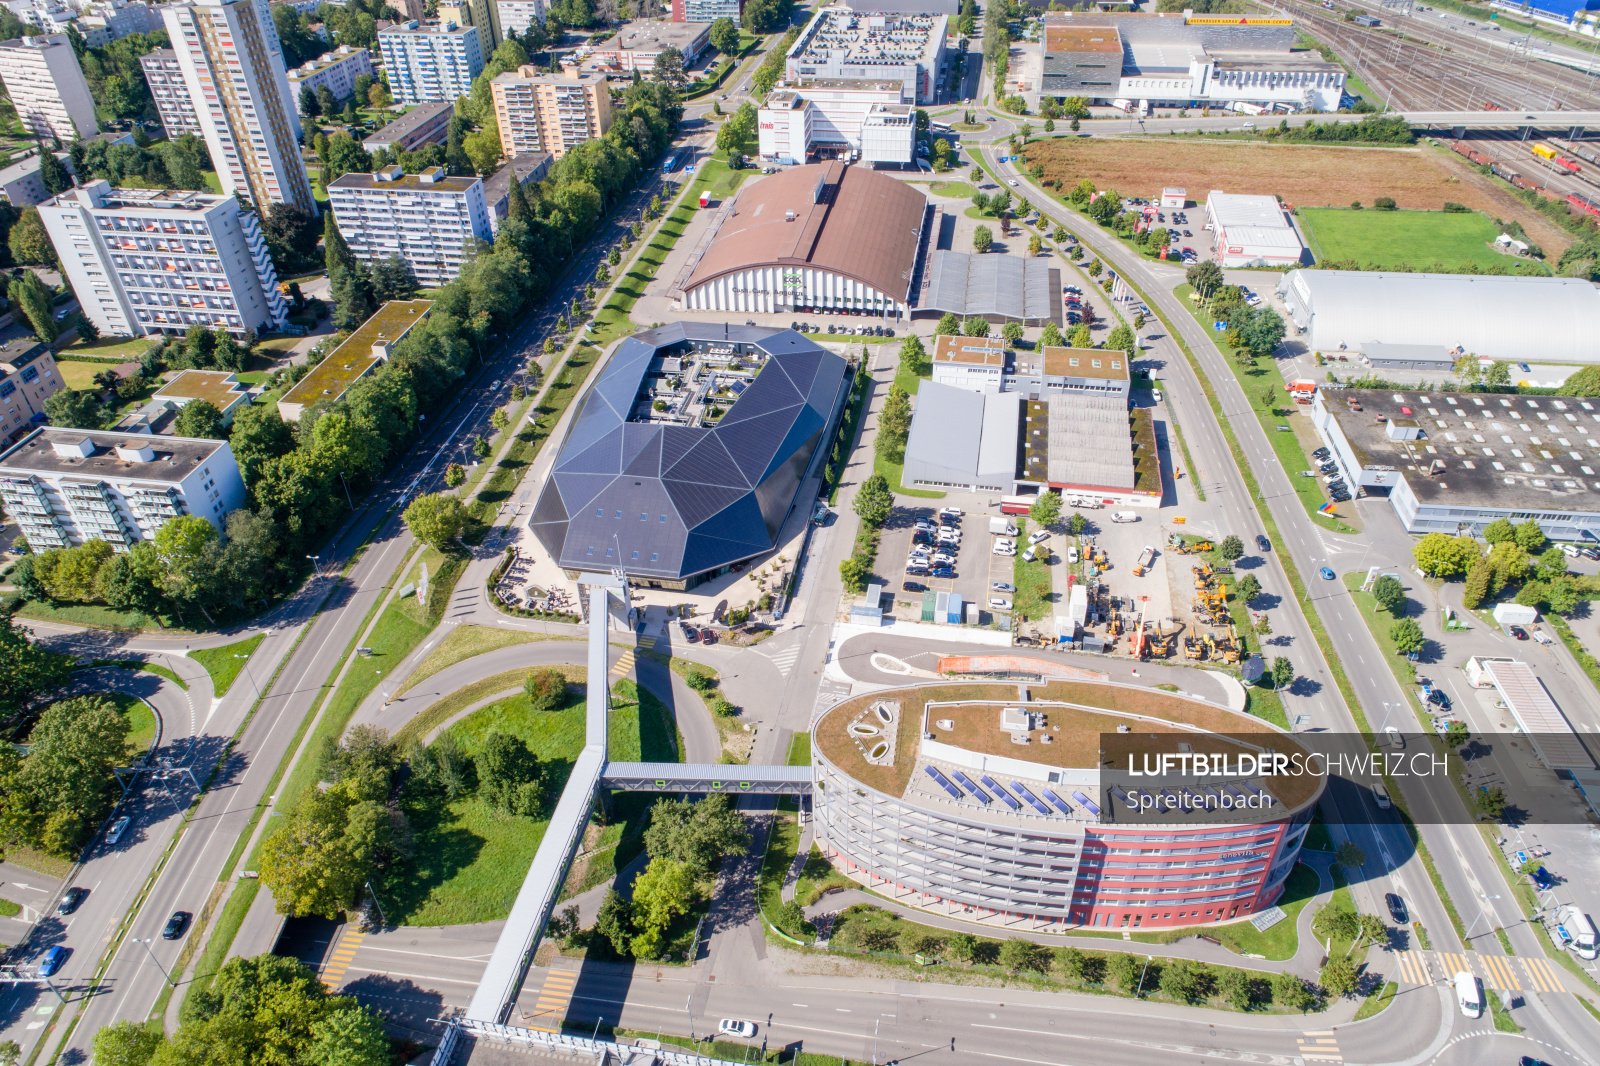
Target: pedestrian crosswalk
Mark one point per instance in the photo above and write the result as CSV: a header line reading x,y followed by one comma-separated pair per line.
x,y
623,664
1412,968
550,1006
1319,1045
648,642
785,658
342,955
1542,976
1501,972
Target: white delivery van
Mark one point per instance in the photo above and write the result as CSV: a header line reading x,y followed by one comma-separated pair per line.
x,y
1467,995
1003,527
1581,939
1124,516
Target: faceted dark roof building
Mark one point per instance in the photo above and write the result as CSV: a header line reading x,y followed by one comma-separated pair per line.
x,y
687,453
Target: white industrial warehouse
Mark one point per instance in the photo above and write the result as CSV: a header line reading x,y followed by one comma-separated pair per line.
x,y
1552,320
1252,230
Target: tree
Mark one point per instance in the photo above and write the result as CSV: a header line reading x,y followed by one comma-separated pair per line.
x,y
1205,278
200,419
1407,636
1077,524
1237,988
394,279
1121,339
982,239
668,68
665,890
1498,376
1232,548
1262,332
614,921
975,327
1390,595
63,786
350,1037
1530,538
1124,971
436,519
1288,990
327,104
1351,857
724,36
1050,336
546,689
1490,801
874,501
854,572
336,253
913,355
30,295
310,106
30,244
125,1044
949,325
325,850
1247,588
182,548
1441,555
980,200
1184,980
1338,977
1046,510
26,669
1282,672
1018,955
697,834
509,776
1373,931
1457,735
1012,332
1499,531
53,174
894,422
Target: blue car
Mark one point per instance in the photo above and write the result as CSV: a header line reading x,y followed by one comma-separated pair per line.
x,y
944,571
52,960
1327,574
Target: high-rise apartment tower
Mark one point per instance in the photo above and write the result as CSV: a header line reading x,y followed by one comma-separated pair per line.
x,y
549,112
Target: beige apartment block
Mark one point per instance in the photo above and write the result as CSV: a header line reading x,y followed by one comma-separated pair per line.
x,y
549,112
46,84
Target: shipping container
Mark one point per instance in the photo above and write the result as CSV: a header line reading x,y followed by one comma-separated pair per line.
x,y
1016,504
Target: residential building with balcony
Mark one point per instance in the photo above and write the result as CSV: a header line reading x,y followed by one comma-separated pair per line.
x,y
46,85
164,75
707,10
483,15
28,377
528,169
430,61
539,112
428,219
21,184
114,21
66,487
155,261
338,70
517,15
232,64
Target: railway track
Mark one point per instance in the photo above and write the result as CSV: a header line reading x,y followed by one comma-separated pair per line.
x,y
1409,74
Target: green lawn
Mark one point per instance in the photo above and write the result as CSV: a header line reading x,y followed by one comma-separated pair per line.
x,y
471,862
224,663
1030,578
465,642
121,349
1254,380
141,721
1381,240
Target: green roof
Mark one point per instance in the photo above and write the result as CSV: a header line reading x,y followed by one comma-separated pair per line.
x,y
353,359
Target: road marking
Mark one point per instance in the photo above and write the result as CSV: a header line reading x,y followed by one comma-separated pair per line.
x,y
1452,963
550,1005
785,658
340,958
1412,967
1542,976
623,664
1319,1046
1500,974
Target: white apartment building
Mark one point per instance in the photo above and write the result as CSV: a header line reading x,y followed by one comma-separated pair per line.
x,y
232,65
428,219
338,70
430,61
66,487
164,75
114,21
834,118
148,261
539,112
54,18
839,43
518,15
44,81
21,184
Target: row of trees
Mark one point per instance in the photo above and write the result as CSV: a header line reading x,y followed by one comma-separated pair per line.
x,y
686,843
265,1009
1509,556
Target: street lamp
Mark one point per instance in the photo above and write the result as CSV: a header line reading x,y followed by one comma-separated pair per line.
x,y
596,1035
147,942
248,674
316,565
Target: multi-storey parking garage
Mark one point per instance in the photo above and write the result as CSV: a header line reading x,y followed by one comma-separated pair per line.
x,y
961,799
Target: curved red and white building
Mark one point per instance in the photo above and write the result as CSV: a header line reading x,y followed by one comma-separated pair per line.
x,y
896,779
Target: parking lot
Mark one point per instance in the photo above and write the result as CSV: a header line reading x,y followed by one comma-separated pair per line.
x,y
976,565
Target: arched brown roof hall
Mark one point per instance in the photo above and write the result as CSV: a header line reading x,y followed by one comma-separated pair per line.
x,y
847,220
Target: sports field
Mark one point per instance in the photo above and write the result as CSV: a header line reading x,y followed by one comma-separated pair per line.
x,y
1388,239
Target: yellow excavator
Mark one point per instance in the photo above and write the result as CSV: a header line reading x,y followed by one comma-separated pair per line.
x,y
1192,648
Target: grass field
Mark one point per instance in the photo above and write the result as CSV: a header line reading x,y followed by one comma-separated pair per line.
x,y
470,861
1383,240
224,663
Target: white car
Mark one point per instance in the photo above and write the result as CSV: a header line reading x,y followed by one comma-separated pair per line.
x,y
1392,735
118,827
1038,536
999,604
1011,183
737,1027
1005,549
1381,794
950,513
949,531
1124,516
1029,555
1004,542
1072,553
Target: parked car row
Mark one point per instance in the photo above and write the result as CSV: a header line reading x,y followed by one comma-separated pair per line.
x,y
853,331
